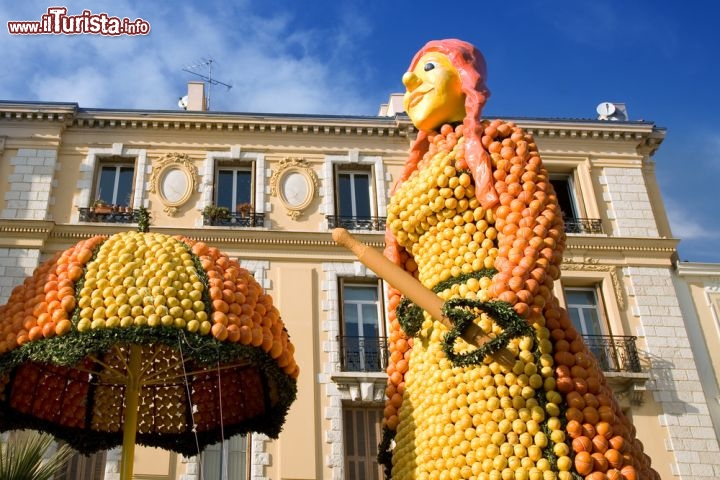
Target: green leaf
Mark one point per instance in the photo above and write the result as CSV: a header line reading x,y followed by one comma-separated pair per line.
x,y
23,457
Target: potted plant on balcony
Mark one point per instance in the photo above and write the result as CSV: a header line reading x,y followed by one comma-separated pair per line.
x,y
127,208
244,209
99,206
214,213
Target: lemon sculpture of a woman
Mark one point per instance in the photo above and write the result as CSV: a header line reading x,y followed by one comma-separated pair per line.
x,y
474,218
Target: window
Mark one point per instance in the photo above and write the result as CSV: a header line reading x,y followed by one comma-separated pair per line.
x,y
564,190
564,187
115,183
227,460
233,187
90,467
586,311
363,346
353,193
362,434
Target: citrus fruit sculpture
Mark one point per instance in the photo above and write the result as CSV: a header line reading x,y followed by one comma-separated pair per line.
x,y
143,334
475,218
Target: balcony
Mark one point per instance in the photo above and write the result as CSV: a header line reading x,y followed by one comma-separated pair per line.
x,y
363,354
356,223
613,353
250,219
109,214
620,362
583,225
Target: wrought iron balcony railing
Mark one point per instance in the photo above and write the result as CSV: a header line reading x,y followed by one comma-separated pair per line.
x,y
356,223
614,353
583,225
370,354
108,214
251,219
363,354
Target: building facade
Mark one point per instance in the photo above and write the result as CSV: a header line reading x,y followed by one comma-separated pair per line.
x,y
268,190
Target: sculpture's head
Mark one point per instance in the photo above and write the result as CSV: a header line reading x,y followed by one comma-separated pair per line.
x,y
445,84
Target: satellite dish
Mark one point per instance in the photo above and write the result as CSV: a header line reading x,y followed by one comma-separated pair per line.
x,y
605,109
183,102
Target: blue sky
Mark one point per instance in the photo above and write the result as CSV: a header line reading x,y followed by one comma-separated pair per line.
x,y
555,59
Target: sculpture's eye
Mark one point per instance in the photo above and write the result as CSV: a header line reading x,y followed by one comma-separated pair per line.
x,y
429,66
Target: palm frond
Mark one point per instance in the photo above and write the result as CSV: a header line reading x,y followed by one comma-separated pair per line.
x,y
22,457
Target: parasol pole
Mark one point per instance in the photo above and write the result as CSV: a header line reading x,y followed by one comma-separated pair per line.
x,y
130,418
414,290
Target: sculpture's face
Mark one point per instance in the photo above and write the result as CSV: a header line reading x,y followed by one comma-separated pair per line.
x,y
434,93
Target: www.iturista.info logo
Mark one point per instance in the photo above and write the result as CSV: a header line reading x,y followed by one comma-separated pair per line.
x,y
57,22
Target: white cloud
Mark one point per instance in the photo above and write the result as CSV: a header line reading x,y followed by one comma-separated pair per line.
x,y
272,66
687,226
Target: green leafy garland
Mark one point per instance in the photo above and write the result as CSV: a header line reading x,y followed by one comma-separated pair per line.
x,y
410,316
462,312
384,456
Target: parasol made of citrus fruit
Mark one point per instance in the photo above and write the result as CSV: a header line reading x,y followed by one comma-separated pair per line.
x,y
143,338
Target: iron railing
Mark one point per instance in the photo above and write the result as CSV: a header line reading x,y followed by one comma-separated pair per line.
x,y
356,223
108,215
614,353
363,354
583,225
370,354
251,219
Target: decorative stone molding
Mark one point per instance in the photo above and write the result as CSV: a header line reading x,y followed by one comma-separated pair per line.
x,y
295,183
380,179
174,179
89,165
359,387
208,172
593,265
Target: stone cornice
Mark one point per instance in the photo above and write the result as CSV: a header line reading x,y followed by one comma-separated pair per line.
x,y
24,233
241,122
664,248
645,135
273,243
38,111
696,269
279,243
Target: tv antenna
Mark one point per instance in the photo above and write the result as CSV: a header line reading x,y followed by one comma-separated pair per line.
x,y
207,63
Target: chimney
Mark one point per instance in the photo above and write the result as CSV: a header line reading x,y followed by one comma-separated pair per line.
x,y
393,107
196,100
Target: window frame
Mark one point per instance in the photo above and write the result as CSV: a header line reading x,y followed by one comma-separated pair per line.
x,y
381,320
584,184
343,169
225,453
235,166
351,438
118,163
90,467
599,307
605,278
574,197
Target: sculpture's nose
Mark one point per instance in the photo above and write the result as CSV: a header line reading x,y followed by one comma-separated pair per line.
x,y
411,81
